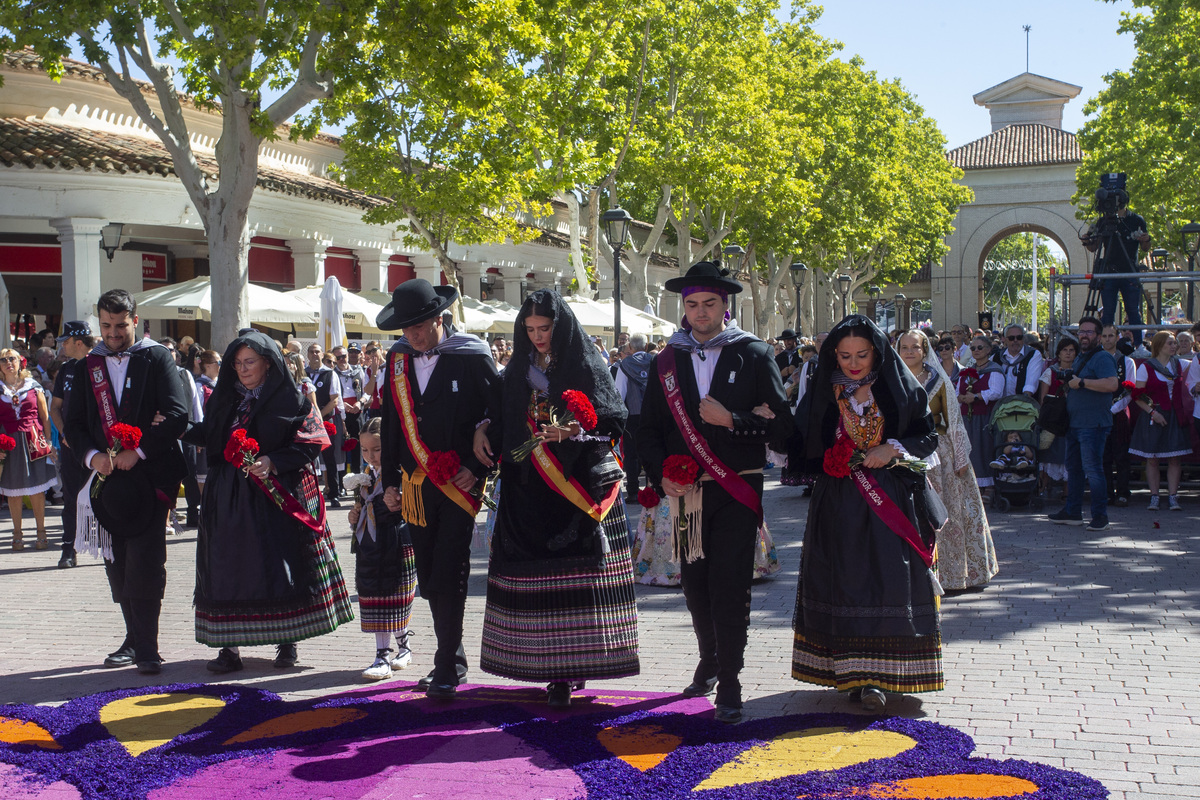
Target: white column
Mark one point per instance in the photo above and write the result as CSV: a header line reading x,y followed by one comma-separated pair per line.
x,y
472,273
546,277
427,268
511,278
373,267
80,238
308,256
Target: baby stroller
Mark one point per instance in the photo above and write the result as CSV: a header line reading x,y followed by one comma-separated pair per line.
x,y
1014,423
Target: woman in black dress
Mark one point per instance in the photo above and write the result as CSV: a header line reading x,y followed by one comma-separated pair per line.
x,y
560,601
264,575
866,617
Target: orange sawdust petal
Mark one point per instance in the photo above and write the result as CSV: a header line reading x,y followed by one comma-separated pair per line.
x,y
936,787
299,722
15,731
642,747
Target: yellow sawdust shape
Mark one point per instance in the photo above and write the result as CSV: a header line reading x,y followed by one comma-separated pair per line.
x,y
16,731
144,722
642,747
810,750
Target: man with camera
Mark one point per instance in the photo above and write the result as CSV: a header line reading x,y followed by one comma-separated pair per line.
x,y
1117,236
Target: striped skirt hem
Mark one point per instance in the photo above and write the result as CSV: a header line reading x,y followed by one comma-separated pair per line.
x,y
902,664
392,612
323,612
569,621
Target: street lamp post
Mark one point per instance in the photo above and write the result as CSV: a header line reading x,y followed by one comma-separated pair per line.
x,y
1158,263
616,225
874,291
900,298
1191,245
844,282
799,273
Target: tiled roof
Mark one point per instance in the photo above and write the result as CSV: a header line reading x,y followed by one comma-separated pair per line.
x,y
33,143
1019,146
30,61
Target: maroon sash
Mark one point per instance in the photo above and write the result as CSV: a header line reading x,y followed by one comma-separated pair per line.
x,y
886,509
725,477
106,401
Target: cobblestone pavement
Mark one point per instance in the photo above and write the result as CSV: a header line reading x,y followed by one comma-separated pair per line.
x,y
1083,652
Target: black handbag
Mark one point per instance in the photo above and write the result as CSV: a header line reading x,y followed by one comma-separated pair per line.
x,y
1053,416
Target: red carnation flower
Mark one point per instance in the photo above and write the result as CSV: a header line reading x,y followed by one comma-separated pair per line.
x,y
349,445
837,460
443,466
128,436
330,429
681,469
581,408
7,443
648,498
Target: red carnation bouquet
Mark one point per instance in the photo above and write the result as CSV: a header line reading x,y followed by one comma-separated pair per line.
x,y
1127,389
648,498
7,445
349,445
443,466
579,409
969,377
242,451
844,457
330,429
121,436
681,469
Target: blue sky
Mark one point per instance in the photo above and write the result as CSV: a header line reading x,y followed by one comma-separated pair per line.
x,y
945,51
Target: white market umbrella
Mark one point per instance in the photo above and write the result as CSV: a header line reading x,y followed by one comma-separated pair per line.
x,y
479,316
331,329
635,321
596,317
358,312
193,300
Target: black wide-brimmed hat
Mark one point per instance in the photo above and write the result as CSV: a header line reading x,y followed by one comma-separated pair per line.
x,y
126,504
415,301
788,333
705,274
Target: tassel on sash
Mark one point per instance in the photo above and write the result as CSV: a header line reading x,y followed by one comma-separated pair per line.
x,y
412,507
686,540
90,537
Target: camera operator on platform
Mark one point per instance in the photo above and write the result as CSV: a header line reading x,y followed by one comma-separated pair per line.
x,y
1121,234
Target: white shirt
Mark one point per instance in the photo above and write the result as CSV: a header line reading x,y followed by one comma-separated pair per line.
x,y
1143,376
1130,375
423,367
704,369
118,368
1191,379
963,354
1032,373
622,383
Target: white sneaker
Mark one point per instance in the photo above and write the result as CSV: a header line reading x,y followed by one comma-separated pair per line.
x,y
402,659
1153,503
997,464
1173,504
381,668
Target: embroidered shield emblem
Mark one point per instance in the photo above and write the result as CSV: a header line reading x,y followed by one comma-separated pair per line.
x,y
669,380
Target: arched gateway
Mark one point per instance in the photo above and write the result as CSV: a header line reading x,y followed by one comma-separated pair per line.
x,y
1023,177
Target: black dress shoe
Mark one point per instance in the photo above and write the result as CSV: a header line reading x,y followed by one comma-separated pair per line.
x,y
67,561
873,700
149,667
225,662
286,656
333,502
728,714
121,658
558,695
700,688
427,681
441,691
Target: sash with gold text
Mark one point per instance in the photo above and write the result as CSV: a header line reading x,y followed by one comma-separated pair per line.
x,y
552,473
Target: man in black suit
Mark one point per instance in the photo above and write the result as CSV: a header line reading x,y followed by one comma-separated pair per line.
x,y
715,395
789,360
435,387
76,341
127,380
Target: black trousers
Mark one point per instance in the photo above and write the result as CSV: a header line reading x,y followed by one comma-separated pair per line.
x,y
137,578
629,450
72,475
1116,457
717,588
191,486
442,552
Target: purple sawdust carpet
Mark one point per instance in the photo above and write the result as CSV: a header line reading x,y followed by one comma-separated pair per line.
x,y
197,741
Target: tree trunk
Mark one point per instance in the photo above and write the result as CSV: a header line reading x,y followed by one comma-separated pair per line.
x,y
576,252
